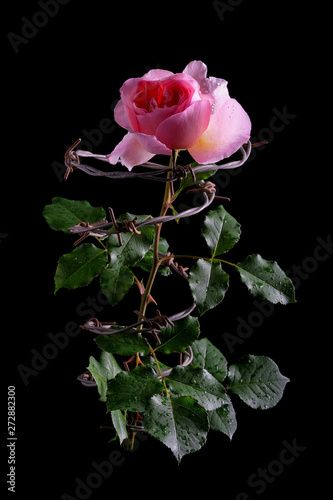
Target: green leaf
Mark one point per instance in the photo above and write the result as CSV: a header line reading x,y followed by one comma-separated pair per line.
x,y
257,381
265,279
208,283
132,390
80,267
179,422
134,247
63,213
102,371
206,355
124,344
147,261
115,282
177,338
150,361
100,376
119,423
110,364
223,420
220,230
199,384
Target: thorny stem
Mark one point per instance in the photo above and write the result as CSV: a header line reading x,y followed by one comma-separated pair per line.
x,y
158,228
168,193
159,369
152,275
72,161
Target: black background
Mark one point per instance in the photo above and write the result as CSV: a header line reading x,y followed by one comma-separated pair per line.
x,y
65,80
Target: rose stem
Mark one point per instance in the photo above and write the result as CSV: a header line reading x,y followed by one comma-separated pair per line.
x,y
158,228
156,261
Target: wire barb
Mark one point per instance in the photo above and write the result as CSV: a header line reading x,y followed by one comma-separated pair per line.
x,y
182,171
98,228
71,156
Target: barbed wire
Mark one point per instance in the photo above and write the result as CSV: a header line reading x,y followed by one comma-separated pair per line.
x,y
104,228
156,172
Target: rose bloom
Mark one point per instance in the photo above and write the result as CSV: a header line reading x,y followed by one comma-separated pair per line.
x,y
164,111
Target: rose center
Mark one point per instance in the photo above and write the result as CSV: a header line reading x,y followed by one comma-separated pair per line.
x,y
152,95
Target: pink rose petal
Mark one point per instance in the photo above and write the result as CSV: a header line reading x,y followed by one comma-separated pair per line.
x,y
164,111
130,152
229,128
157,74
183,130
122,114
198,71
152,144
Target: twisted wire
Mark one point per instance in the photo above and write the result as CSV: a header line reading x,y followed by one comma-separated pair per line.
x,y
72,161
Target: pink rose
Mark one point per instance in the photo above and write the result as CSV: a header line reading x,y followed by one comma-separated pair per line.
x,y
164,111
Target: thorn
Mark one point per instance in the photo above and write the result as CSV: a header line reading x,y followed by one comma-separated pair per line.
x,y
142,291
